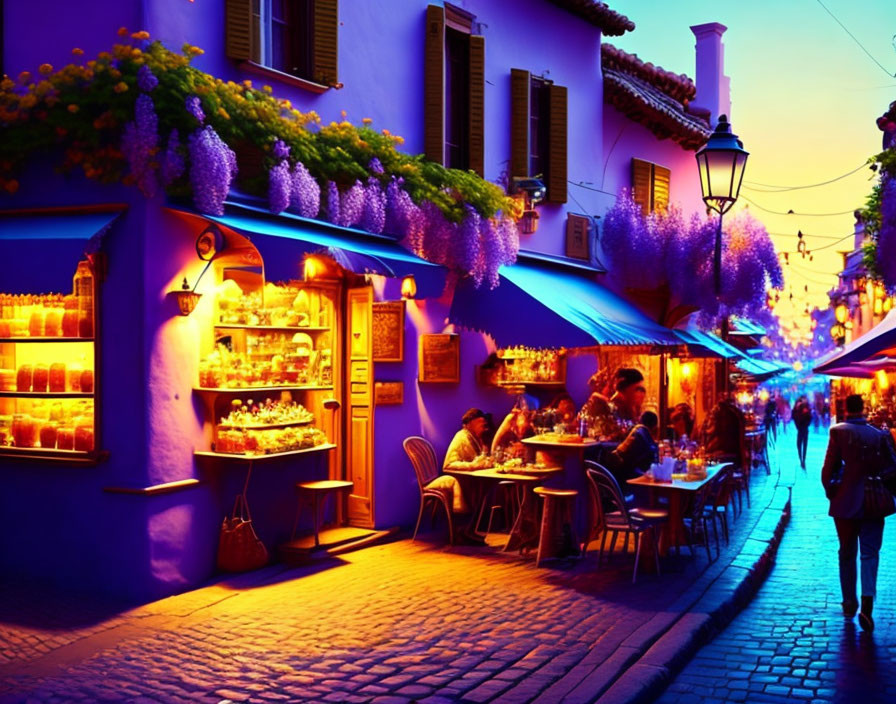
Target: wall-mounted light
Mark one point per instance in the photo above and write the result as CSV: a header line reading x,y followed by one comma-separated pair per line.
x,y
408,287
314,268
187,298
533,191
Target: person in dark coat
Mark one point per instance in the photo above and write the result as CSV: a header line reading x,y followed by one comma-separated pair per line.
x,y
802,419
723,433
635,454
854,448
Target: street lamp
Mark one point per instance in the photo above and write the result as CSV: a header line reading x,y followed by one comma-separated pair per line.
x,y
721,162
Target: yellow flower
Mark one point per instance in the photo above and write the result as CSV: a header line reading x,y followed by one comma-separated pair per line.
x,y
398,140
72,108
267,89
46,69
223,113
386,132
344,114
139,35
247,83
120,87
78,52
104,56
24,77
122,31
28,101
7,84
366,120
286,104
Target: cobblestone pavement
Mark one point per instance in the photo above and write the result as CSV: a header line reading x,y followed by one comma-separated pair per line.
x,y
398,622
792,642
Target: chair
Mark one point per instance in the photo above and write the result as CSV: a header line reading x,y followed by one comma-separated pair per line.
x,y
423,458
695,520
556,536
613,516
316,494
721,492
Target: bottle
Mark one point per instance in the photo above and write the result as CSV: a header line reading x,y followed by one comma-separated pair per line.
x,y
83,290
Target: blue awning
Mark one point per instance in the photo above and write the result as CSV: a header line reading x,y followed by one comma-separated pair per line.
x,y
41,252
542,306
283,239
705,344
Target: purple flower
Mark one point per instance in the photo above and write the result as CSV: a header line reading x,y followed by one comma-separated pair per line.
x,y
212,168
146,80
281,149
333,203
886,238
305,194
139,143
404,219
376,167
173,161
194,107
373,218
279,187
466,251
351,206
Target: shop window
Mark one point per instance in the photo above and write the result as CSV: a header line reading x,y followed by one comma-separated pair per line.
x,y
48,372
650,186
454,90
538,141
297,38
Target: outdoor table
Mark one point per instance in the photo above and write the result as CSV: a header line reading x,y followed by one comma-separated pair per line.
x,y
757,446
679,491
524,531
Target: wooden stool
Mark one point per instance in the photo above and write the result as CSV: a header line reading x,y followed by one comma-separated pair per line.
x,y
506,501
318,491
556,516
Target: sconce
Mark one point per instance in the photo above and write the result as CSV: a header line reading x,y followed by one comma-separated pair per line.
x,y
533,192
187,298
314,268
408,287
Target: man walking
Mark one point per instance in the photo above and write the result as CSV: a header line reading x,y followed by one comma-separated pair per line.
x,y
802,419
855,450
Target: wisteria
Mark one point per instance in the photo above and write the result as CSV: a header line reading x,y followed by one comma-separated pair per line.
x,y
146,79
332,211
212,168
886,237
279,187
376,167
467,246
194,107
139,142
173,165
305,192
404,219
351,206
280,149
373,219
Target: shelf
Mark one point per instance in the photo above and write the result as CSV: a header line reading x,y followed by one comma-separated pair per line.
x,y
272,328
12,340
252,458
37,453
544,384
259,389
45,394
267,426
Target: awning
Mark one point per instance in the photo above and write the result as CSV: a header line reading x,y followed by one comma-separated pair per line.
x,y
877,341
281,240
705,344
545,306
742,326
41,252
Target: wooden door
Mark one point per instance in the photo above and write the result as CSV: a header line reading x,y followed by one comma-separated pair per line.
x,y
359,416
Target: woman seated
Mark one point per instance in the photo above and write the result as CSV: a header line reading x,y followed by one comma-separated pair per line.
x,y
508,438
635,454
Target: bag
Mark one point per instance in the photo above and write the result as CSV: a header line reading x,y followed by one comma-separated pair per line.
x,y
878,501
239,549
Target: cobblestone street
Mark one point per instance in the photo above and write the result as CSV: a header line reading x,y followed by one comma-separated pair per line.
x,y
792,643
398,622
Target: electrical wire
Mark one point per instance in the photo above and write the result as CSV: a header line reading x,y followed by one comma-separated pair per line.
x,y
782,189
591,188
832,244
809,234
814,215
861,46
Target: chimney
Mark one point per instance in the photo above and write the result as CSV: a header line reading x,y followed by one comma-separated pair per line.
x,y
713,86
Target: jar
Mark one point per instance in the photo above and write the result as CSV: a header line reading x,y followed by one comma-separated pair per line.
x,y
83,437
74,377
24,430
57,377
70,322
5,431
87,381
65,438
36,323
85,325
5,328
53,322
48,434
24,377
41,378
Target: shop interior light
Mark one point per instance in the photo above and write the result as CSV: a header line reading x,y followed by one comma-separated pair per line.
x,y
686,370
878,306
314,268
887,304
841,312
408,287
883,381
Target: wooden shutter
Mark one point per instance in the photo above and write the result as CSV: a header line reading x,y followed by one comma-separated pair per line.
x,y
556,176
661,177
434,85
642,177
326,42
476,157
520,82
242,31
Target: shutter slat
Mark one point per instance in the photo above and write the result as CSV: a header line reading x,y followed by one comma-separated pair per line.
x,y
661,181
326,42
239,36
477,104
519,122
641,178
434,85
557,158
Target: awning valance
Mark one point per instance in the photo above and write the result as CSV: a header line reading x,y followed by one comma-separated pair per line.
x,y
876,342
544,306
41,252
705,344
283,239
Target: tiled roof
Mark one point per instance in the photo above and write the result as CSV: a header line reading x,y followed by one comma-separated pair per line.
x,y
611,23
653,97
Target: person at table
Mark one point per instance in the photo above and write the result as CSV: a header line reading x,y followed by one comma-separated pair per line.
x,y
629,395
508,438
468,450
723,433
564,409
681,420
637,452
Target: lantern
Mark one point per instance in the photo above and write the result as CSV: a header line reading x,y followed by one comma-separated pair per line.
x,y
186,298
408,287
721,162
841,312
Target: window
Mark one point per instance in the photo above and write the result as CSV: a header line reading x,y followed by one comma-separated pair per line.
x,y
538,132
650,186
294,37
454,90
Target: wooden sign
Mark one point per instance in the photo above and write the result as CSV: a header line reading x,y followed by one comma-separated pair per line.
x,y
388,393
439,358
388,331
578,229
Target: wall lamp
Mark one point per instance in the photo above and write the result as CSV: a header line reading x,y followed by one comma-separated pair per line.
x,y
209,244
533,191
408,287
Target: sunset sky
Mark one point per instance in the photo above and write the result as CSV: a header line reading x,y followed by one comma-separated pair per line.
x,y
805,98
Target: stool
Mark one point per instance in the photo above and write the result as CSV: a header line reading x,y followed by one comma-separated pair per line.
x,y
506,501
318,491
556,517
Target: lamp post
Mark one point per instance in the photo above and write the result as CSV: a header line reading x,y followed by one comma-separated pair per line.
x,y
721,162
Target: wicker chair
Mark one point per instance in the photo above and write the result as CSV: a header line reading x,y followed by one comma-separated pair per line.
x,y
614,516
696,520
721,492
423,458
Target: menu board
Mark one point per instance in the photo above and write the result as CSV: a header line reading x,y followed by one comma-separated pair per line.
x,y
388,331
439,358
388,393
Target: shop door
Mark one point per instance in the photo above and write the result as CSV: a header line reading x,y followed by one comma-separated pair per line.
x,y
359,416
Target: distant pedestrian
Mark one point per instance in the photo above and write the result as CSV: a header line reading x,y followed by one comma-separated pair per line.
x,y
783,413
802,419
770,421
855,449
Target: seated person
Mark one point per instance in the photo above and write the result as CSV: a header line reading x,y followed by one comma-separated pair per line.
x,y
564,409
598,403
629,395
468,449
723,433
508,438
681,420
637,452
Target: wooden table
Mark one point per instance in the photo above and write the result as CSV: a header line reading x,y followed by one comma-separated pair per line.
x,y
525,528
679,492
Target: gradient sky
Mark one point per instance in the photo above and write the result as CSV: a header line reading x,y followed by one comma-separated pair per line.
x,y
804,97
